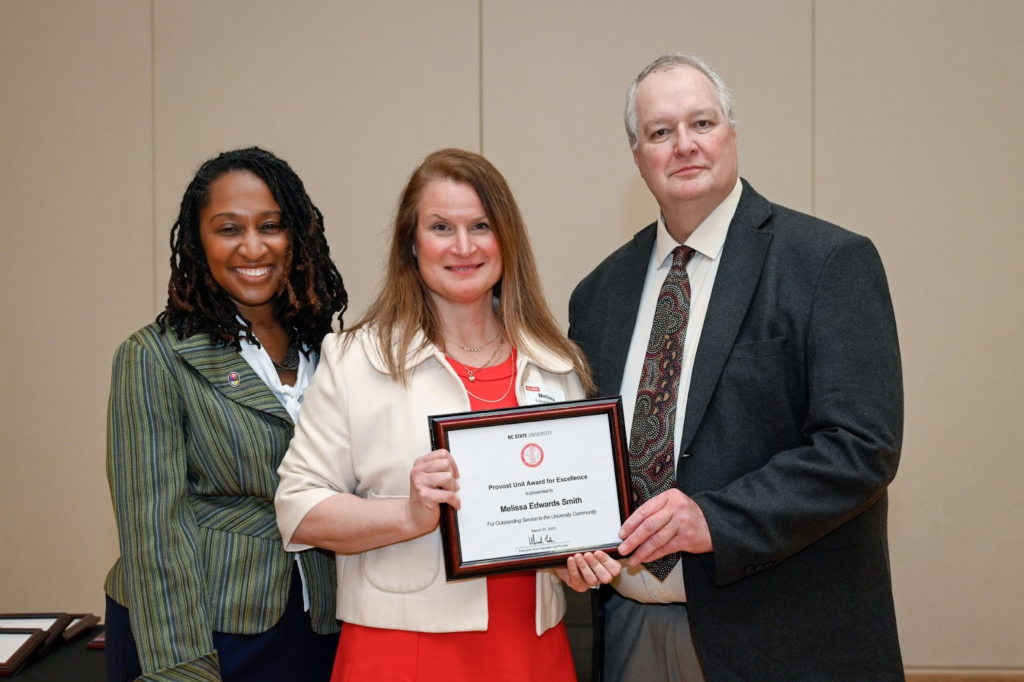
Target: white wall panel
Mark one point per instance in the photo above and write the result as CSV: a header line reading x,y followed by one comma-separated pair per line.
x,y
554,84
894,119
352,95
76,268
918,147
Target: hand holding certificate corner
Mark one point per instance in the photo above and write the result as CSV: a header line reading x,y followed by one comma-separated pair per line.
x,y
539,486
667,523
588,571
432,482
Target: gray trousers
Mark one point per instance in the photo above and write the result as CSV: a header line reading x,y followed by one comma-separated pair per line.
x,y
648,642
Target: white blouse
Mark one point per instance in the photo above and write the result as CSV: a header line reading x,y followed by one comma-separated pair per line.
x,y
290,396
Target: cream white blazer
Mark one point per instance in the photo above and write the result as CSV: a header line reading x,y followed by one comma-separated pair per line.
x,y
359,432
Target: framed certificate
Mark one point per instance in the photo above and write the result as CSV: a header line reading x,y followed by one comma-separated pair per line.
x,y
52,625
80,623
537,485
16,646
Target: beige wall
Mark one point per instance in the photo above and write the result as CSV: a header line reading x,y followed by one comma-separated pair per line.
x,y
894,119
76,277
918,146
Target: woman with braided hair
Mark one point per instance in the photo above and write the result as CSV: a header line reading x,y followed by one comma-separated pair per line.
x,y
202,406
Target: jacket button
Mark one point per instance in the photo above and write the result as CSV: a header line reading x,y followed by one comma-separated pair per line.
x,y
750,569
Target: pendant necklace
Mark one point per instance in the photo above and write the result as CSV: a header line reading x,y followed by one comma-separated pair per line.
x,y
472,378
503,395
469,371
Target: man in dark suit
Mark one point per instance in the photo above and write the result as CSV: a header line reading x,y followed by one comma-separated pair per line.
x,y
756,352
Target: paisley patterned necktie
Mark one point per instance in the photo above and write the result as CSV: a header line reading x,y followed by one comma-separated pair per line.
x,y
651,436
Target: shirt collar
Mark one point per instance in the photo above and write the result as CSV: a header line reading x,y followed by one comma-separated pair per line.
x,y
421,350
709,237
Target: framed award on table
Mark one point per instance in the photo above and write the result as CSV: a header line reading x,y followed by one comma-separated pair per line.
x,y
52,625
17,645
537,485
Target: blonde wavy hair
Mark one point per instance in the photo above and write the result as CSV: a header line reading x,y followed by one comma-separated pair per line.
x,y
404,307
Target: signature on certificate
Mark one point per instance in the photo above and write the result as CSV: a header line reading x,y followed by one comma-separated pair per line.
x,y
544,539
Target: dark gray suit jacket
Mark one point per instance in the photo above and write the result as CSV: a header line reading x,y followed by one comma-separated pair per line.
x,y
792,432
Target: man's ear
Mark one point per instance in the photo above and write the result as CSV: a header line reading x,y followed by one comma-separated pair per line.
x,y
636,160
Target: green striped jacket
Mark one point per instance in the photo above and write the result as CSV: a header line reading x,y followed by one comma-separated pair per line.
x,y
194,439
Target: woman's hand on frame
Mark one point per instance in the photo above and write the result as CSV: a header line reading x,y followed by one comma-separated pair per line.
x,y
589,570
432,481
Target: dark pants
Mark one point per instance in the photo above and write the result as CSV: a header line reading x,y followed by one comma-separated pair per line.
x,y
290,650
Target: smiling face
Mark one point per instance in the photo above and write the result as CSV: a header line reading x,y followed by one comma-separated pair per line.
x,y
686,151
246,245
456,248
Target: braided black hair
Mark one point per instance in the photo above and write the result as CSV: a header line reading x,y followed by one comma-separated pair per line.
x,y
313,292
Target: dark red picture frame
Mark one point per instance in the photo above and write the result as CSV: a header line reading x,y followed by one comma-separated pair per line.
x,y
85,621
61,621
442,425
13,665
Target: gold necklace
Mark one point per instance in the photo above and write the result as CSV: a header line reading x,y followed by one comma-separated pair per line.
x,y
477,349
490,360
503,396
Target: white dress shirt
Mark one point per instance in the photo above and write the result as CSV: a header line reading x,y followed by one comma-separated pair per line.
x,y
290,396
707,241
263,365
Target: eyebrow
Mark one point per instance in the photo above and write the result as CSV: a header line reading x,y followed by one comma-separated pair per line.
x,y
228,214
709,112
444,219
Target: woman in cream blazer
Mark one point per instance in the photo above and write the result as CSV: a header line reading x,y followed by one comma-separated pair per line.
x,y
360,432
460,303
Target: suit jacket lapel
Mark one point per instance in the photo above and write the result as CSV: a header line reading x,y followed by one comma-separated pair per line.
x,y
738,274
218,364
629,273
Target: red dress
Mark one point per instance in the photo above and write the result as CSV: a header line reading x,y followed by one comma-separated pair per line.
x,y
508,651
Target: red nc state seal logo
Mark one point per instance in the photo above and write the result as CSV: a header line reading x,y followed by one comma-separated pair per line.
x,y
532,455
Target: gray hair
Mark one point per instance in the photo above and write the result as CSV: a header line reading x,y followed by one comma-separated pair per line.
x,y
671,62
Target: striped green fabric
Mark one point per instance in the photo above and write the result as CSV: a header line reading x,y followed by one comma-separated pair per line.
x,y
194,439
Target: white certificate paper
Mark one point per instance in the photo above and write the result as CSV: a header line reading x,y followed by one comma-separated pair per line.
x,y
536,488
10,643
44,623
